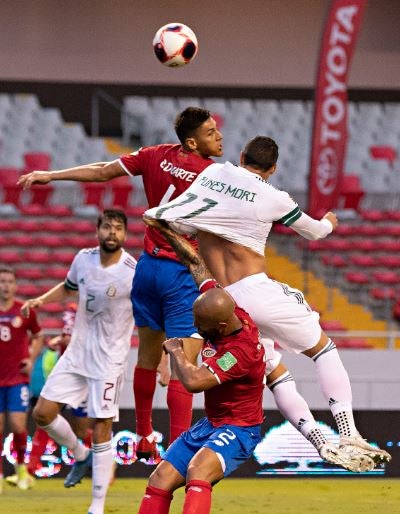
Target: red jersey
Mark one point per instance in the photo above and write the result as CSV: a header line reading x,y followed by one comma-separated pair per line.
x,y
14,343
238,363
167,171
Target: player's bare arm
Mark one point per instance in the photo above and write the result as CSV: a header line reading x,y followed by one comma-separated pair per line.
x,y
95,172
37,342
183,249
57,294
332,218
195,379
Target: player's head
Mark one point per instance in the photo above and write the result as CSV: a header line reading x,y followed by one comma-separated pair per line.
x,y
214,313
260,154
112,228
198,132
8,283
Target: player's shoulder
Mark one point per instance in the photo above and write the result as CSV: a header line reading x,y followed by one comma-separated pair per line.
x,y
87,254
128,261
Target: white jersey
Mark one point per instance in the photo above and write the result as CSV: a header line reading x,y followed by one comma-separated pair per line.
x,y
104,322
237,205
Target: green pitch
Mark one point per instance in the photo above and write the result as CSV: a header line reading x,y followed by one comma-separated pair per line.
x,y
232,496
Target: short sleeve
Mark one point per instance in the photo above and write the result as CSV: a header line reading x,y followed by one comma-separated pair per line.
x,y
71,281
231,363
34,326
136,162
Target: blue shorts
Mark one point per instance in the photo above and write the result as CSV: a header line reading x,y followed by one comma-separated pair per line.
x,y
233,445
163,292
14,398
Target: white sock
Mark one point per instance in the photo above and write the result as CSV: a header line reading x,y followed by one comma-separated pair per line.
x,y
101,475
60,430
336,388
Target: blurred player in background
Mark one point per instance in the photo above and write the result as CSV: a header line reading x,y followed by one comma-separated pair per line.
x,y
93,364
45,363
232,377
233,209
18,352
163,291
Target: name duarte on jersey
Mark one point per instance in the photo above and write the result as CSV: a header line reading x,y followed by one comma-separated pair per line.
x,y
177,172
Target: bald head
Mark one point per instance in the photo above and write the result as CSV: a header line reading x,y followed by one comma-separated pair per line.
x,y
214,313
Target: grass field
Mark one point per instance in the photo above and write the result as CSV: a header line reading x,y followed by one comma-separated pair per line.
x,y
232,496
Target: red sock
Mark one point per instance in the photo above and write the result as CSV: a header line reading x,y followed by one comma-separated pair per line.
x,y
144,385
39,442
179,403
88,439
1,453
198,497
20,446
155,501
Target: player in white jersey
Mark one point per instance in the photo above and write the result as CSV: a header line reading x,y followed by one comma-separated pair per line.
x,y
94,362
232,209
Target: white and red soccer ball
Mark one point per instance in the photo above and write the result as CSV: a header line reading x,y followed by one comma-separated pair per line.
x,y
175,44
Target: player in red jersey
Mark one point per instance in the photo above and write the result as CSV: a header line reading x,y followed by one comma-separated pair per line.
x,y
18,352
232,377
163,291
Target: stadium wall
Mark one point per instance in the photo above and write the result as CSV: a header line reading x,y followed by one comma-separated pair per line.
x,y
271,43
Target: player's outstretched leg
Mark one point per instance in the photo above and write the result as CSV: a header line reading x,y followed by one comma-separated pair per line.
x,y
78,471
335,385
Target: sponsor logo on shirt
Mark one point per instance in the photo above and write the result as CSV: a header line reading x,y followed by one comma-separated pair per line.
x,y
208,352
227,361
177,172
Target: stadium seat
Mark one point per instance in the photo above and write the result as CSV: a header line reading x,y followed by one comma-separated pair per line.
x,y
51,323
121,189
393,215
22,240
383,293
364,261
50,241
365,245
93,193
332,325
78,242
389,261
52,308
29,273
374,215
63,257
56,273
387,153
357,277
335,261
37,161
10,257
29,290
386,277
390,246
37,257
351,192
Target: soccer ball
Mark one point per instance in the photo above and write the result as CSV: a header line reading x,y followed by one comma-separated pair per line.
x,y
175,44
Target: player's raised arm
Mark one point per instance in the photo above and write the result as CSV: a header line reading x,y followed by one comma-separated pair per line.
x,y
313,229
183,249
95,172
57,294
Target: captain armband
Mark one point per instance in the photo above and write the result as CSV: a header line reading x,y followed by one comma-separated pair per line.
x,y
209,283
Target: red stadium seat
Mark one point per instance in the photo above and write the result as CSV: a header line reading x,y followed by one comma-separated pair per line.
x,y
94,193
364,261
38,257
57,273
336,261
10,257
83,227
63,257
332,325
366,245
121,189
344,230
370,230
351,192
29,290
49,323
356,343
30,225
78,242
393,215
135,211
278,228
30,273
383,152
390,246
50,241
21,240
374,215
357,277
390,261
37,161
52,308
383,293
386,277
58,226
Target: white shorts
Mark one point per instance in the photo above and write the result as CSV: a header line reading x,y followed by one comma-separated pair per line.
x,y
65,386
280,312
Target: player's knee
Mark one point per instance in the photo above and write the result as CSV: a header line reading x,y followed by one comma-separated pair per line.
x,y
41,416
157,478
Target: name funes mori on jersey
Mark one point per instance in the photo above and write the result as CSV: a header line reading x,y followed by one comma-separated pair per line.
x,y
227,189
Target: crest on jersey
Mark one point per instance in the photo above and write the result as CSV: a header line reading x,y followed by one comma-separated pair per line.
x,y
206,353
227,361
111,291
16,322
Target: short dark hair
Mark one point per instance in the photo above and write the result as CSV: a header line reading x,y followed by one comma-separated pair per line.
x,y
7,269
189,120
261,153
113,214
